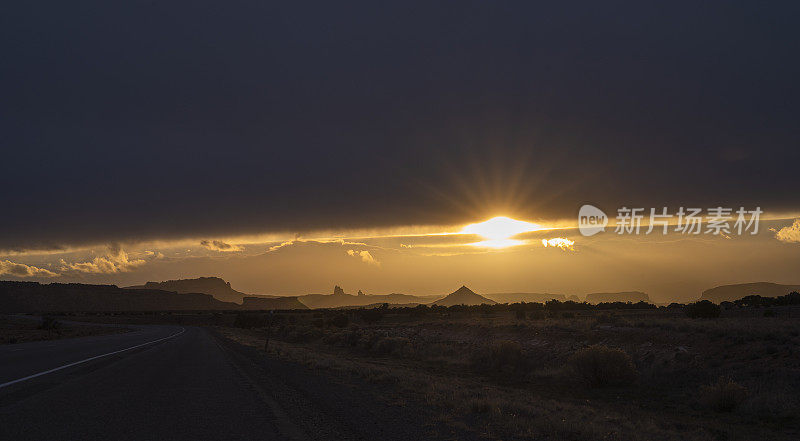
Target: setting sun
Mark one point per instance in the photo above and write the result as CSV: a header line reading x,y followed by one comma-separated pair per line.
x,y
499,231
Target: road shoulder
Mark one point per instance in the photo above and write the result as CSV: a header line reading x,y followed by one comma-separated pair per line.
x,y
330,406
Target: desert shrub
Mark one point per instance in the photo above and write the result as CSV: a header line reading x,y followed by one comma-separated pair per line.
x,y
353,336
344,338
333,338
771,400
476,405
482,404
702,309
247,321
724,396
502,355
281,330
371,316
367,340
600,366
419,310
605,318
340,320
619,320
49,324
612,319
438,350
391,345
537,314
303,334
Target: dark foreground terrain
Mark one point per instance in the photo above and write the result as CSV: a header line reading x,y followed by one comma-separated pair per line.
x,y
21,328
500,372
562,375
182,382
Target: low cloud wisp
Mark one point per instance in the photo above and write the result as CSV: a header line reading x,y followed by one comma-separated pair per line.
x,y
365,256
10,268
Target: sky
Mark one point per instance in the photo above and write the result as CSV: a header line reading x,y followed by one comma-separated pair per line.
x,y
290,146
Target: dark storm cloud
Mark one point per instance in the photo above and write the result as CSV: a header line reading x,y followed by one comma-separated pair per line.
x,y
176,119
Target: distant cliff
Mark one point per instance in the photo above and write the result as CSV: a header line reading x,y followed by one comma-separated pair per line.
x,y
339,299
625,296
729,293
272,303
56,297
219,288
528,297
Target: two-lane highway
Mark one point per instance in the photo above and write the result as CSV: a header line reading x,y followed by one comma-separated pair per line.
x,y
157,382
176,383
23,362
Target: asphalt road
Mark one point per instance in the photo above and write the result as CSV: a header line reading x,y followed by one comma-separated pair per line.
x,y
183,387
181,384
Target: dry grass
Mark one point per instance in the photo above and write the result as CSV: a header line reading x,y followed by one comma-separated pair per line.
x,y
601,366
16,329
511,379
500,412
723,396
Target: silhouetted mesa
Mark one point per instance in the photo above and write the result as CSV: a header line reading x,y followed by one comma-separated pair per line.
x,y
272,303
730,293
57,297
464,296
340,299
611,297
219,288
528,297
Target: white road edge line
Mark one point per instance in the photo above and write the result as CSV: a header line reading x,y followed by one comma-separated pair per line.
x,y
19,380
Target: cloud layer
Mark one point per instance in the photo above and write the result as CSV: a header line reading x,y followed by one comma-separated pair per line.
x,y
115,261
790,234
10,268
523,109
218,245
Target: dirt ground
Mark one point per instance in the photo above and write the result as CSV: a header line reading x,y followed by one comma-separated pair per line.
x,y
731,378
26,328
436,360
